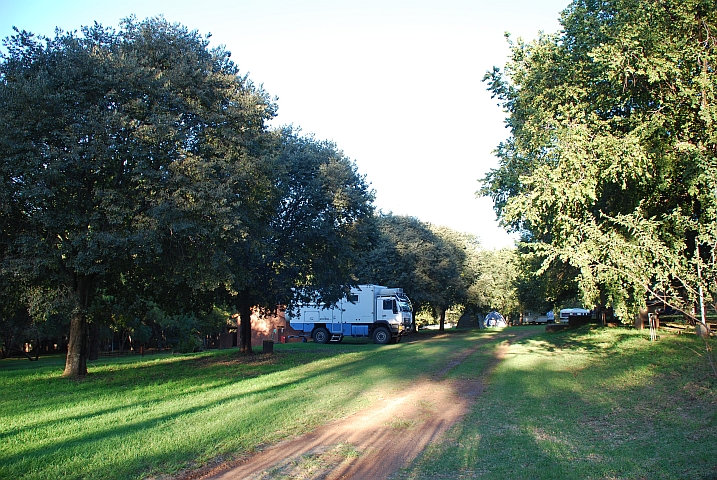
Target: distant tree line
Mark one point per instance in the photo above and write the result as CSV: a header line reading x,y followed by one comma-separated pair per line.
x,y
440,268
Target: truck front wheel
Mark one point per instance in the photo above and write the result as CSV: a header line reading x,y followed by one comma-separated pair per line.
x,y
381,336
320,335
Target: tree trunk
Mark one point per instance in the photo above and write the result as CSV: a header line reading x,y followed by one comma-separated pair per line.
x,y
416,308
641,319
7,341
244,324
442,316
37,344
600,315
123,343
76,362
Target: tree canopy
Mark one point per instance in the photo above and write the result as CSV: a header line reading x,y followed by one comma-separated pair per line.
x,y
316,223
611,166
493,282
138,169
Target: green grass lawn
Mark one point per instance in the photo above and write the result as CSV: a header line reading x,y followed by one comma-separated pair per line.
x,y
587,404
582,404
145,416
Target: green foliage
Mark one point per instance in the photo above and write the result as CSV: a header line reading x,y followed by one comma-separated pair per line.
x,y
610,167
180,332
138,173
188,343
425,260
314,223
314,226
494,284
541,289
119,149
30,315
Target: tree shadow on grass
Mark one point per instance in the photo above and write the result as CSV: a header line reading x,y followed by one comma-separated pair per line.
x,y
204,385
586,403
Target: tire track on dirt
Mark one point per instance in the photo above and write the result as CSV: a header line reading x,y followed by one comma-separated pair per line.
x,y
376,442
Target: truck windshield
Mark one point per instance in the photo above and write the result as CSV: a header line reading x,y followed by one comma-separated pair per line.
x,y
404,303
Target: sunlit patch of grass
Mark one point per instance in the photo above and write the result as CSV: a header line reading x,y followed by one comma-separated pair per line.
x,y
347,451
401,424
587,403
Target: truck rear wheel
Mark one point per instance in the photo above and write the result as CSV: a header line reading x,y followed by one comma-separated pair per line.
x,y
320,335
381,336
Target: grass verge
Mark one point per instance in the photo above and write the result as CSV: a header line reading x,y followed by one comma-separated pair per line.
x,y
590,403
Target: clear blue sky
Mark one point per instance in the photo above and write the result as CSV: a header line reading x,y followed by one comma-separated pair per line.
x,y
395,83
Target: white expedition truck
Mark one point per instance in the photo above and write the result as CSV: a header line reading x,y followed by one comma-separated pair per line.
x,y
380,313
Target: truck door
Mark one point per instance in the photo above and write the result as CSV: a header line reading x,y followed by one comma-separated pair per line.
x,y
333,320
386,308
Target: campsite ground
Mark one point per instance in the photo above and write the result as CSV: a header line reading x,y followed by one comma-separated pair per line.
x,y
378,441
518,403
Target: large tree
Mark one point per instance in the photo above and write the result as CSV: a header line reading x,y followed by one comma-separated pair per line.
x,y
128,158
611,166
314,223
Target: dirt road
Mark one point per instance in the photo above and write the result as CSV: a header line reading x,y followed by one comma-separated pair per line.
x,y
374,443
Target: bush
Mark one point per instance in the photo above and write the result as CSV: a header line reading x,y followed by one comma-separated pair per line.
x,y
189,344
